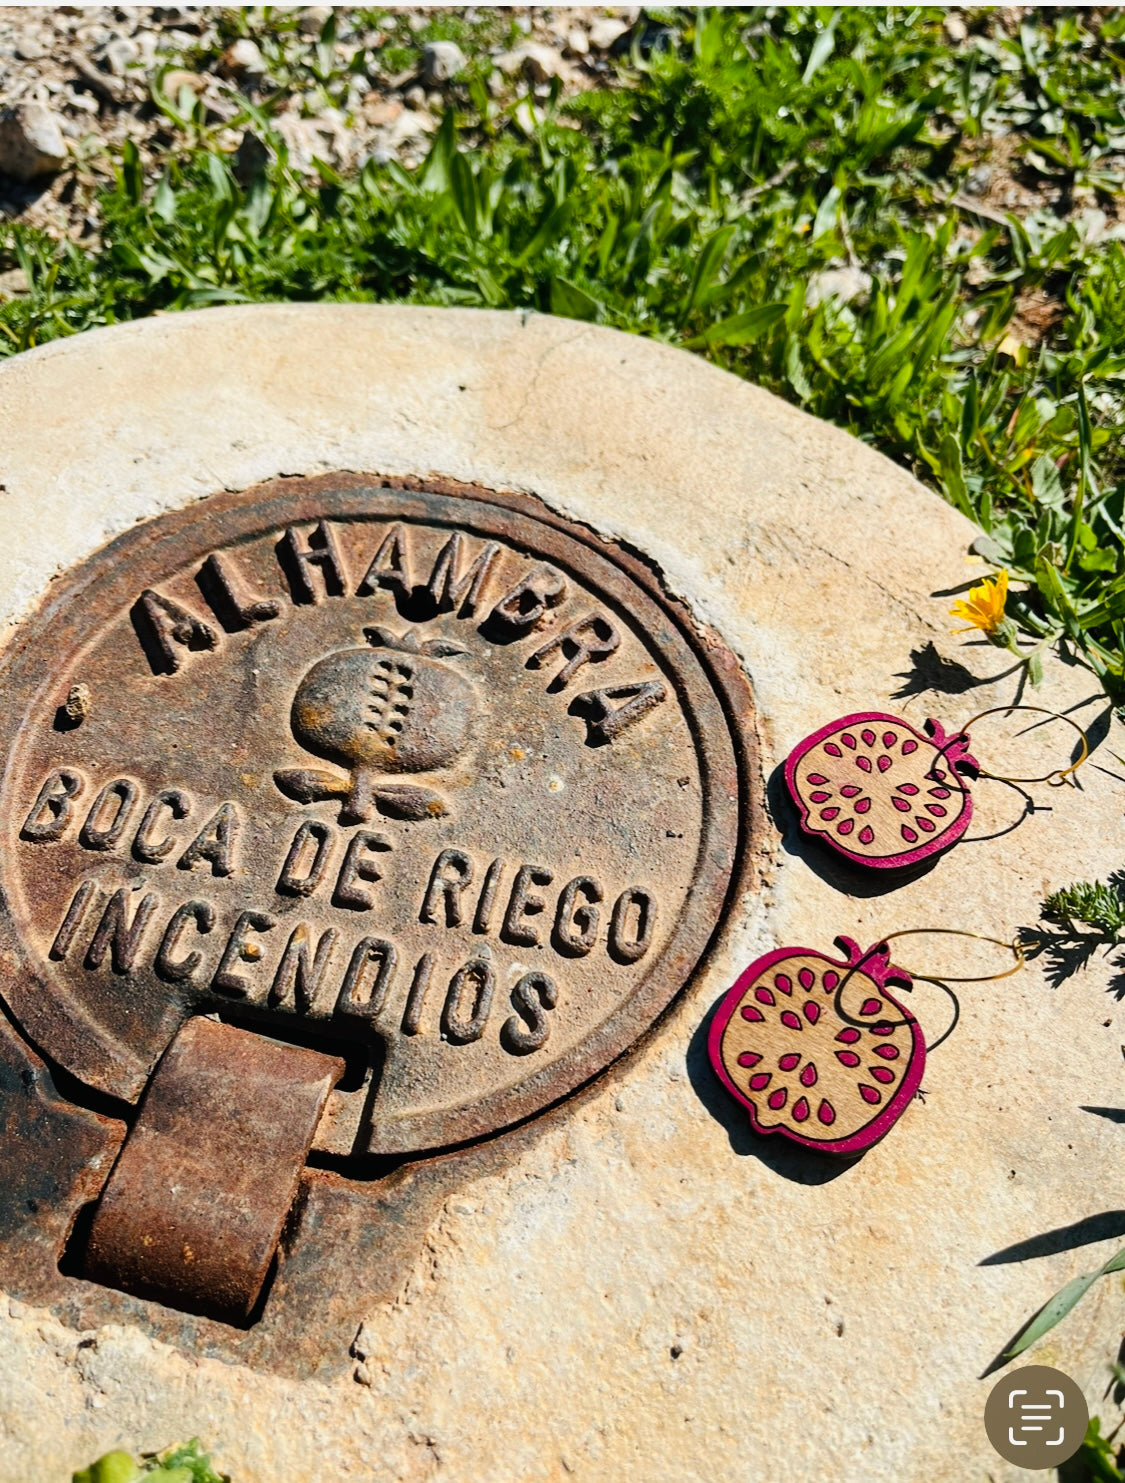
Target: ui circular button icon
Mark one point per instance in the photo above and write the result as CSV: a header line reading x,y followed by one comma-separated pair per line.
x,y
1036,1417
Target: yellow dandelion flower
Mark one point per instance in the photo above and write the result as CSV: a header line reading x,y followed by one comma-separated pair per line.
x,y
984,608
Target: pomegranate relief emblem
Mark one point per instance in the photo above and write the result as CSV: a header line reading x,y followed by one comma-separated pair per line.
x,y
392,710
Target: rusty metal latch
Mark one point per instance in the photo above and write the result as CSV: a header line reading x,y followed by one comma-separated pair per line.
x,y
196,1203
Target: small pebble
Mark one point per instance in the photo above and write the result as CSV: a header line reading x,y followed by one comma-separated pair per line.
x,y
313,19
31,142
538,62
243,58
842,284
605,31
78,702
119,53
29,49
442,61
13,283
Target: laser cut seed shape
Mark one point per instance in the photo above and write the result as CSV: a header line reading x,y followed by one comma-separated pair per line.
x,y
780,1046
881,793
394,708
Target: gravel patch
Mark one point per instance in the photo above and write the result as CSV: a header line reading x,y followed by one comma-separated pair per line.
x,y
339,84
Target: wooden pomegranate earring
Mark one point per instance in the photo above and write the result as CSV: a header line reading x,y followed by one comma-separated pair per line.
x,y
885,795
820,1049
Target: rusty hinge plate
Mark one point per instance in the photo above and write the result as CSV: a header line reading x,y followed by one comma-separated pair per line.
x,y
204,1183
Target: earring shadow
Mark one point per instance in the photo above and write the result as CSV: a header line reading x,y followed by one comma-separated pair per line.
x,y
832,869
787,1160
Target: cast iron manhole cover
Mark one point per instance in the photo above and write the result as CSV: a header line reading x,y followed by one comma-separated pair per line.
x,y
425,777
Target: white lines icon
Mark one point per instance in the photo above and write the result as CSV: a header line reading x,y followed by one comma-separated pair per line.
x,y
1036,1417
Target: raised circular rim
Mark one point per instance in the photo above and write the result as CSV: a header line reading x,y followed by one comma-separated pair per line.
x,y
712,691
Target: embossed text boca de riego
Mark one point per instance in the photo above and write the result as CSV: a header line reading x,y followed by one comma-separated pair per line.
x,y
391,718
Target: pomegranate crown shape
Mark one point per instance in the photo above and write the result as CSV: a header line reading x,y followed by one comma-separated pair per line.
x,y
953,746
831,1076
876,962
410,642
881,793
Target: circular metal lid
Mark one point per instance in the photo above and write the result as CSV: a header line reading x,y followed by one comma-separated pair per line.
x,y
422,773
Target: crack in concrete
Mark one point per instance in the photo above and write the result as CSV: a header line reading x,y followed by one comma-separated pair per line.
x,y
529,390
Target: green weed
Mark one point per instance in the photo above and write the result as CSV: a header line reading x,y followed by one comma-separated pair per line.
x,y
183,1464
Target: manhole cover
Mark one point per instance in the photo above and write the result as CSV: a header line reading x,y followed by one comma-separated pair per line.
x,y
425,777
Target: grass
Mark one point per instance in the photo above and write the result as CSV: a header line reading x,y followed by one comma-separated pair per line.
x,y
741,156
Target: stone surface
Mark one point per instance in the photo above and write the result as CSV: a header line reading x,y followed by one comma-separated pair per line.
x,y
645,1290
31,142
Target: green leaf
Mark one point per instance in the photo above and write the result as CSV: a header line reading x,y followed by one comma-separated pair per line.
x,y
1110,610
709,38
1059,1306
795,371
1052,1312
740,329
1099,561
192,1462
1046,484
953,474
114,1467
1098,1455
325,52
221,184
548,232
990,550
1055,595
463,189
433,177
164,201
131,176
826,214
571,301
1085,445
823,47
708,265
970,415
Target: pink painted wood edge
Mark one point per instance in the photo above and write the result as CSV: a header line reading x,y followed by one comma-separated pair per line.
x,y
882,973
891,862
